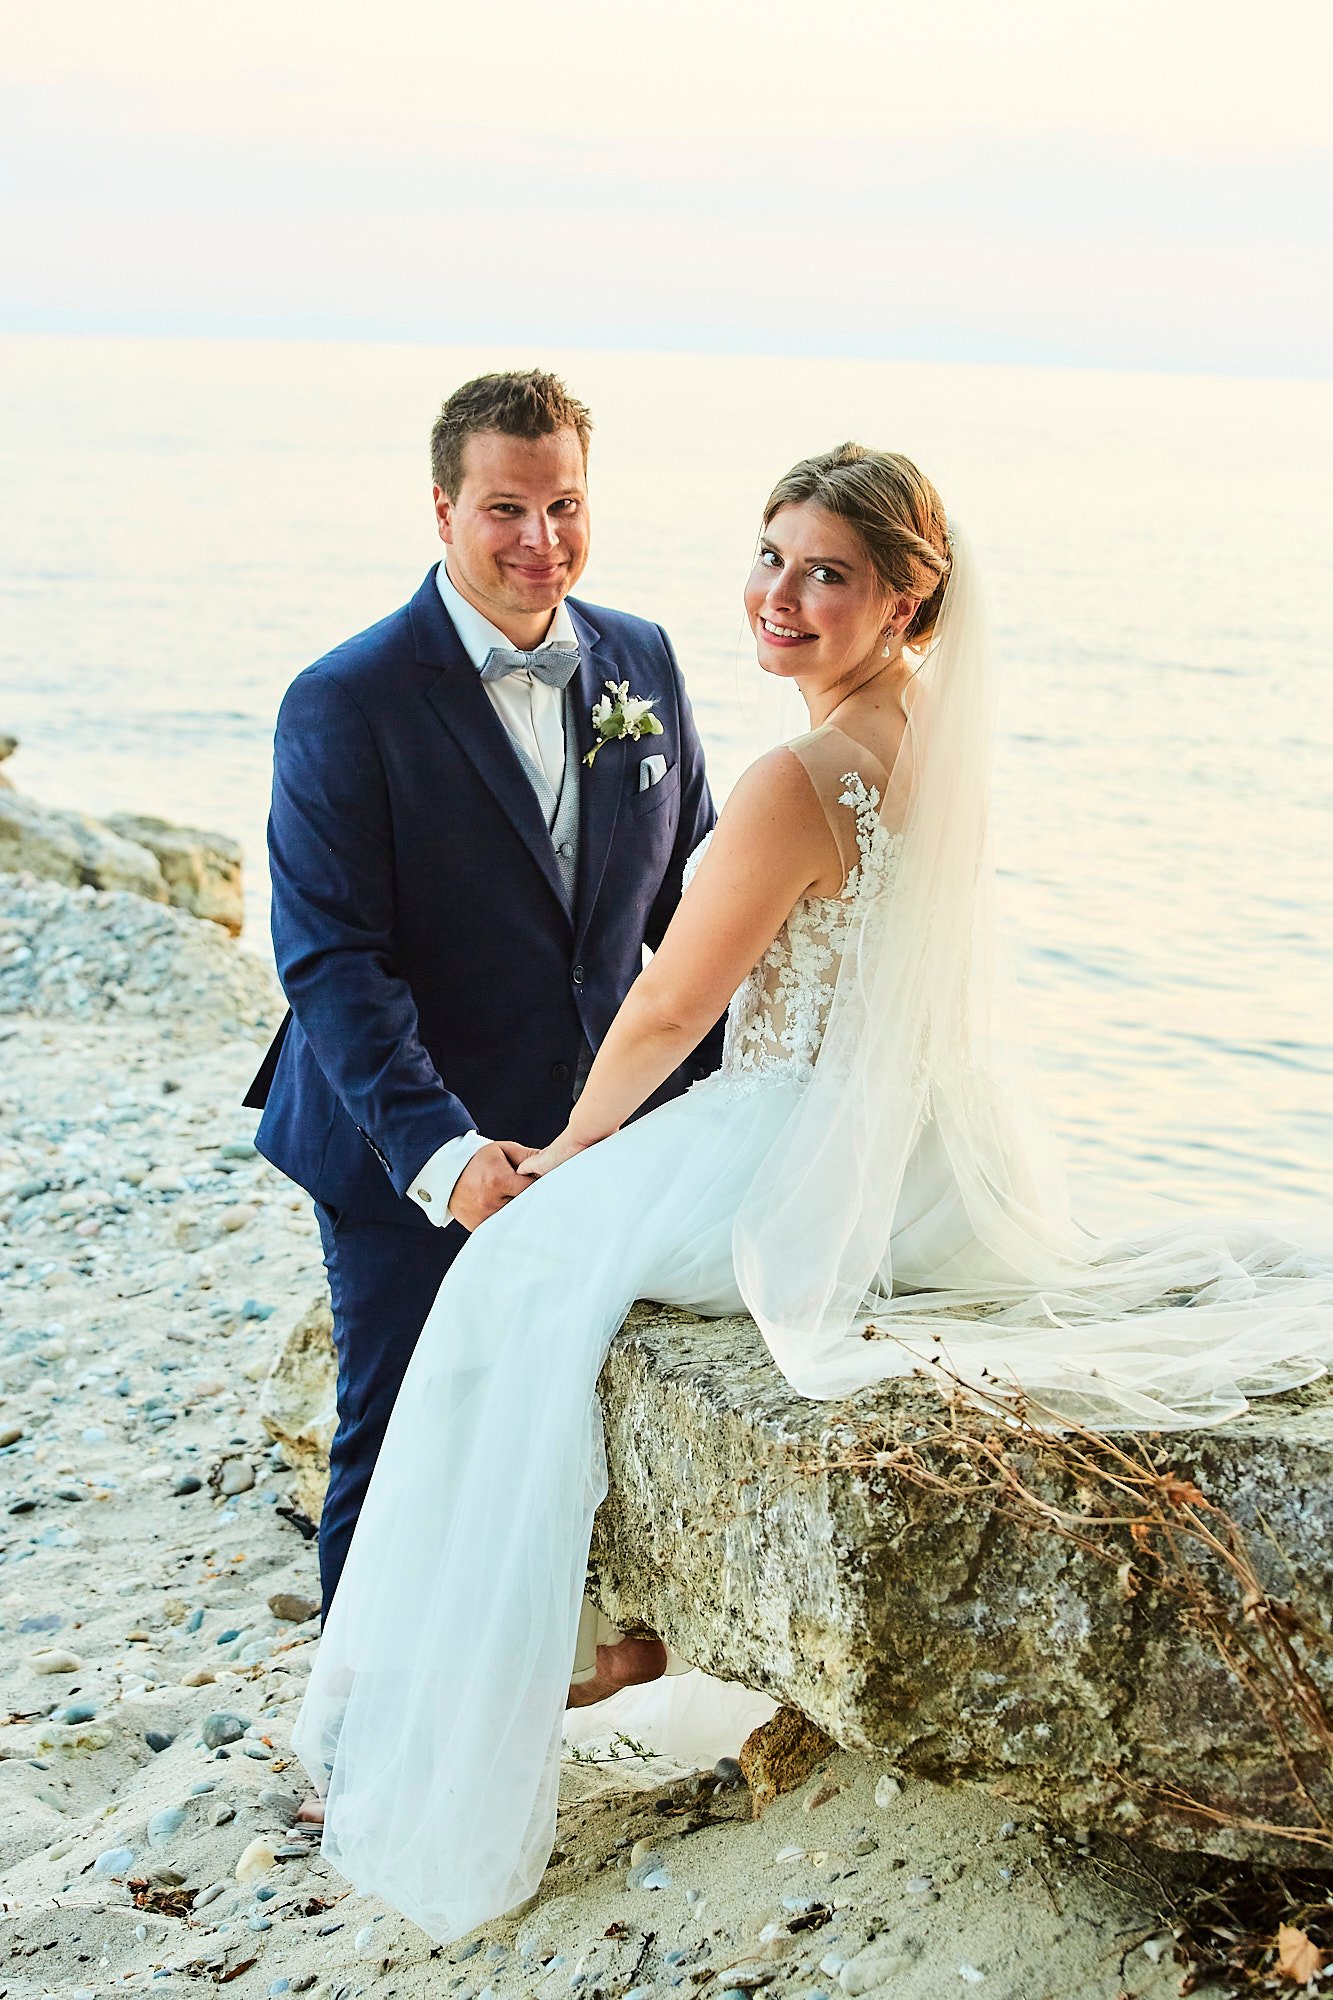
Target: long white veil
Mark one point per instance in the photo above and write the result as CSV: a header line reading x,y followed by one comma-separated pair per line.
x,y
914,1213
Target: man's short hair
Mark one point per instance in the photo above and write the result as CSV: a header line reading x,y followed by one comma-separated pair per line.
x,y
524,403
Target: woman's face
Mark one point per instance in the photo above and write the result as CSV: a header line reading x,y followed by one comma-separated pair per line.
x,y
816,607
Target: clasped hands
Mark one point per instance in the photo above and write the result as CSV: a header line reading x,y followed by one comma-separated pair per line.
x,y
499,1172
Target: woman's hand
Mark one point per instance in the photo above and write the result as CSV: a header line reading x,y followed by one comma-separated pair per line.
x,y
561,1149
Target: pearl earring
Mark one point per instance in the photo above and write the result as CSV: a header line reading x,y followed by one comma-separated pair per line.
x,y
887,654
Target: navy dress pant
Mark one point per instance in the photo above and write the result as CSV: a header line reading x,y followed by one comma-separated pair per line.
x,y
383,1278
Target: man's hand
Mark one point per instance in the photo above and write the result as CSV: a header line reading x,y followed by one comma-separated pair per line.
x,y
488,1182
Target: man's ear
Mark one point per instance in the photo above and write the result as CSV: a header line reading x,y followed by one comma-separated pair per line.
x,y
444,514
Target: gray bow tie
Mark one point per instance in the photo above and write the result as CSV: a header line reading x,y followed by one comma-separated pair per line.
x,y
554,666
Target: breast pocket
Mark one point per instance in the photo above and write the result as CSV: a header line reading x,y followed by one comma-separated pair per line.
x,y
662,793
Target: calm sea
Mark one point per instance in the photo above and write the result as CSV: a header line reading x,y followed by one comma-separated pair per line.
x,y
184,524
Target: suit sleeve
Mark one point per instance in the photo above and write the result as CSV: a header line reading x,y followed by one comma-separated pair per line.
x,y
331,860
698,816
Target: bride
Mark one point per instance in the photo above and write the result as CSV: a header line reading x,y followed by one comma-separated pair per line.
x,y
867,1174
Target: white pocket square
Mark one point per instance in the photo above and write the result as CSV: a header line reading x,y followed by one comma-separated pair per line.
x,y
651,772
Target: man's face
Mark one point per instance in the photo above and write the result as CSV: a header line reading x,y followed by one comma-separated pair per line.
x,y
517,529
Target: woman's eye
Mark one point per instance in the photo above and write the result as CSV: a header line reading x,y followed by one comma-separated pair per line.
x,y
769,558
822,574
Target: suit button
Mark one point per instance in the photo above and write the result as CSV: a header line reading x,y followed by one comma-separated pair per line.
x,y
566,848
577,975
560,1072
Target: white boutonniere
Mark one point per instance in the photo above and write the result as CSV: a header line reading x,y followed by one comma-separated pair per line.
x,y
622,714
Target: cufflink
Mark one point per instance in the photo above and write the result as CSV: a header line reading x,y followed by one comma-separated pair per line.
x,y
423,1194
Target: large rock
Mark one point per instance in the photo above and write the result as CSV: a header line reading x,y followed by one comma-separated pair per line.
x,y
198,872
202,871
949,1630
298,1404
71,848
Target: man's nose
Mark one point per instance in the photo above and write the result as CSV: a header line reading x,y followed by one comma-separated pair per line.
x,y
539,531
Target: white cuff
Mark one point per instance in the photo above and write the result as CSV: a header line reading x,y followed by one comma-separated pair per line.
x,y
432,1189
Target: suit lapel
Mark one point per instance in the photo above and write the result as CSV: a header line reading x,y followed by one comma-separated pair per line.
x,y
460,700
600,788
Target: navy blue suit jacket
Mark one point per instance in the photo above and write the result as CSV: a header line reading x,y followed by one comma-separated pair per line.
x,y
435,978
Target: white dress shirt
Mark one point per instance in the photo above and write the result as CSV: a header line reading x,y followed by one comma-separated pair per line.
x,y
534,716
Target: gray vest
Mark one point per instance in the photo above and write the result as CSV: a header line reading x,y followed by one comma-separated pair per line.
x,y
561,812
562,817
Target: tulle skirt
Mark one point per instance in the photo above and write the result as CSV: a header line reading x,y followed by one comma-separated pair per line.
x,y
434,1713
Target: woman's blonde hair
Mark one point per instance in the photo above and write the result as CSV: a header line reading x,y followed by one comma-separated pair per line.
x,y
896,512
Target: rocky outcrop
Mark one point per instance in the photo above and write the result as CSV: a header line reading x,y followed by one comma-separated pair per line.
x,y
197,872
202,871
90,954
72,849
950,1630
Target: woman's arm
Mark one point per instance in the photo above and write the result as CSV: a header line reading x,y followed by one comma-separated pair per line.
x,y
771,846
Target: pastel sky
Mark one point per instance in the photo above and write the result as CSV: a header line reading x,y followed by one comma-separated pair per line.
x,y
1143,184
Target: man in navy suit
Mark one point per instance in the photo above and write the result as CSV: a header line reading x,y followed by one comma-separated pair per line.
x,y
460,901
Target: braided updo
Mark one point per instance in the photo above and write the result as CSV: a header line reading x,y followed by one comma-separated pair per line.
x,y
896,512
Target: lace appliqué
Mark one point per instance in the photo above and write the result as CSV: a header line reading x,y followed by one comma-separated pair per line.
x,y
777,1017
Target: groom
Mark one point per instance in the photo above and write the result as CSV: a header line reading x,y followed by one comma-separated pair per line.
x,y
460,902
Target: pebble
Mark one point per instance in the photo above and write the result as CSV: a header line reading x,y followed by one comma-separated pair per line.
x,y
643,1850
158,1740
236,1475
54,1660
887,1790
279,1986
195,1619
237,1149
257,1859
259,1922
236,1217
221,1728
198,1677
919,1885
187,1483
281,1803
204,1785
786,1854
10,1434
78,1711
638,1877
291,1608
867,1844
164,1824
224,1815
970,1974
364,1939
660,1878
873,1968
209,1895
746,1976
114,1861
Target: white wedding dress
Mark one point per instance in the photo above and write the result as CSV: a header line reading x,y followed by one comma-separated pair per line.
x,y
434,1712
861,1141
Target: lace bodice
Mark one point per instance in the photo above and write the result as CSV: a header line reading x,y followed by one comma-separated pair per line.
x,y
777,1017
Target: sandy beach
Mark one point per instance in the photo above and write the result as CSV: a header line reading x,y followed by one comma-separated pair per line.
x,y
156,1604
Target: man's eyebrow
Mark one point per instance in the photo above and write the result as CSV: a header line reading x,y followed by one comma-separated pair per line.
x,y
567,493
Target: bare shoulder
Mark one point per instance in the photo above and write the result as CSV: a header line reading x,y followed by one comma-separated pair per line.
x,y
774,818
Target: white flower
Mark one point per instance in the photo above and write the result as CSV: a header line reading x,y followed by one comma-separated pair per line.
x,y
620,714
